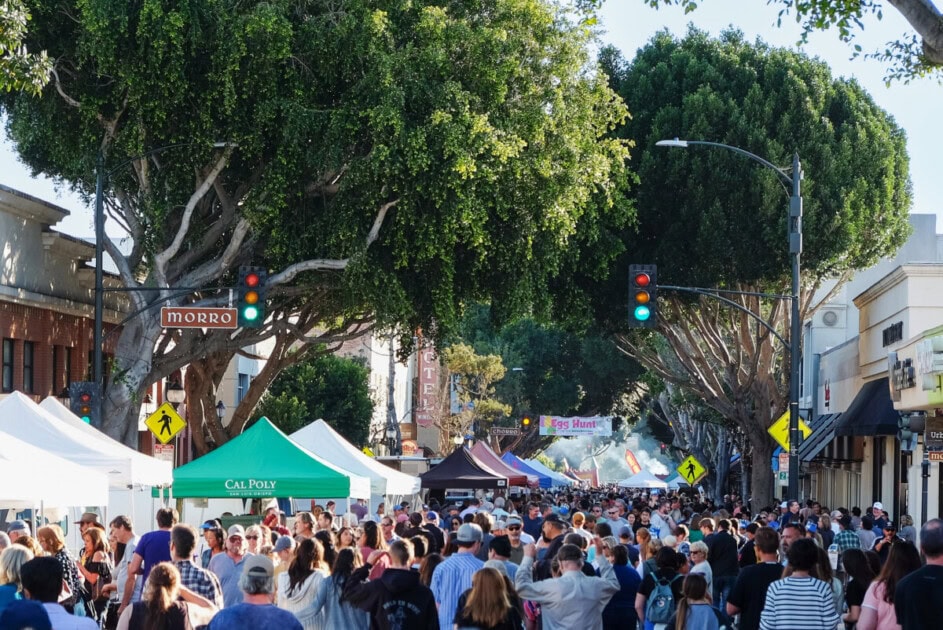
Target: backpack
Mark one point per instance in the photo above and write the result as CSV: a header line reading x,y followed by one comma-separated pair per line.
x,y
661,602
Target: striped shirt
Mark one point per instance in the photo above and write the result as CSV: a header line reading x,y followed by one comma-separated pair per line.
x,y
847,539
790,602
449,580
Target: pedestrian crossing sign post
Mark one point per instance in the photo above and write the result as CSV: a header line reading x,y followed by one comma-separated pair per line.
x,y
165,423
691,470
780,430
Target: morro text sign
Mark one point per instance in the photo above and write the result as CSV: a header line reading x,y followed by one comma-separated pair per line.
x,y
191,317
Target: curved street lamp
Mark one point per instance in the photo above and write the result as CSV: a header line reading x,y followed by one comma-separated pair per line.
x,y
794,235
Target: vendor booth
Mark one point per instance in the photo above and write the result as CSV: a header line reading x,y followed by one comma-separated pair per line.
x,y
462,470
643,479
489,458
512,460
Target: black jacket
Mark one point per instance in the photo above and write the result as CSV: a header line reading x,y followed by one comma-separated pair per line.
x,y
396,600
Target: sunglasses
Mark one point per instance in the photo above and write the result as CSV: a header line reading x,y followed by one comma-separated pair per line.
x,y
513,528
235,539
251,538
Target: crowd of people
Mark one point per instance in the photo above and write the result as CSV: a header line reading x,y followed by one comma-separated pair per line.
x,y
598,559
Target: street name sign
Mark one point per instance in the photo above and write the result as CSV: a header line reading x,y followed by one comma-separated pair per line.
x,y
165,423
193,317
505,431
691,470
780,430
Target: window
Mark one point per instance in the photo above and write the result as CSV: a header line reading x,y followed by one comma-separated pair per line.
x,y
54,388
68,367
7,384
29,352
242,387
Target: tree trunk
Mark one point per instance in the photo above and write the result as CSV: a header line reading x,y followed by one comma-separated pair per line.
x,y
128,379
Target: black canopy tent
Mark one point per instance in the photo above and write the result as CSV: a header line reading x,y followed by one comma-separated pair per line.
x,y
462,470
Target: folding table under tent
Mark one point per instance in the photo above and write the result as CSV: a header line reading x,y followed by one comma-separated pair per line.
x,y
264,462
319,438
483,453
515,462
461,470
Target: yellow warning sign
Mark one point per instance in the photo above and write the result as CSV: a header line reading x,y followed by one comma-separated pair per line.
x,y
165,423
691,470
780,430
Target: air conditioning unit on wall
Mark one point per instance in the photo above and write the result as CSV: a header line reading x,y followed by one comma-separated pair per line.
x,y
830,318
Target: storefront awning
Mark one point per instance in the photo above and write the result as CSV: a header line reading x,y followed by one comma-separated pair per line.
x,y
870,413
823,432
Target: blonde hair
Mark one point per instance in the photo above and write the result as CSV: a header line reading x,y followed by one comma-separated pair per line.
x,y
11,559
642,537
51,539
488,602
699,546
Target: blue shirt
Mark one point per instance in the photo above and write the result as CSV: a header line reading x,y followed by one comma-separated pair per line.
x,y
449,580
254,617
228,573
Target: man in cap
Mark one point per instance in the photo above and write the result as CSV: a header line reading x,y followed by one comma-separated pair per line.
x,y
397,599
500,550
882,545
553,532
284,549
229,566
453,576
153,547
515,531
255,609
431,525
573,600
877,511
16,529
202,582
89,519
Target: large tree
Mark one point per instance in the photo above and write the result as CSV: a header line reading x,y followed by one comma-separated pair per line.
x,y
710,218
19,69
386,160
915,54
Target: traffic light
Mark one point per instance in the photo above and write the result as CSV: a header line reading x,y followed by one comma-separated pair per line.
x,y
252,281
643,291
664,448
85,401
525,422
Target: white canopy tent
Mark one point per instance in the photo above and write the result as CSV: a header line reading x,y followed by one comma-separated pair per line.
x,y
319,438
124,467
34,477
643,479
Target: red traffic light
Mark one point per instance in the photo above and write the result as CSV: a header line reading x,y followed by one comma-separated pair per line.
x,y
85,398
642,280
252,279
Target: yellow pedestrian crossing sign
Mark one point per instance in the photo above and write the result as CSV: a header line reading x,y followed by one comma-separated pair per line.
x,y
165,423
691,470
780,430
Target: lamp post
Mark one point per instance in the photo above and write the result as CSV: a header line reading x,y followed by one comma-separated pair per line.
x,y
794,234
220,411
175,394
100,175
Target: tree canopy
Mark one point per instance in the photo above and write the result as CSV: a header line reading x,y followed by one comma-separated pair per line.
x,y
19,69
915,54
326,386
708,217
387,160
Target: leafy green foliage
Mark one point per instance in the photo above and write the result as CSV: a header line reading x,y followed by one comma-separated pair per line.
x,y
709,217
328,387
19,70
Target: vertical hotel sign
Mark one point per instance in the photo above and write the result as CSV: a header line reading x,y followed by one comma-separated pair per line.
x,y
428,402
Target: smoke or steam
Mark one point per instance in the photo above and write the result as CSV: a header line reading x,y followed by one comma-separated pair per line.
x,y
612,466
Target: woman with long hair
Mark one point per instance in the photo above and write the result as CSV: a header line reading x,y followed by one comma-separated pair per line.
x,y
860,575
215,543
877,609
160,607
346,538
95,566
329,554
642,538
370,541
11,559
329,601
427,566
53,543
488,604
298,586
694,608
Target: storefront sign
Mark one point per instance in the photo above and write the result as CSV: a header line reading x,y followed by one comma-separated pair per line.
x,y
933,438
428,403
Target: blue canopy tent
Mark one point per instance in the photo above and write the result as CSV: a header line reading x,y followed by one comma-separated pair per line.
x,y
545,481
558,479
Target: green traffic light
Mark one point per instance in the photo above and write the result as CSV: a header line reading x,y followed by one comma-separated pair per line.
x,y
250,313
86,420
642,313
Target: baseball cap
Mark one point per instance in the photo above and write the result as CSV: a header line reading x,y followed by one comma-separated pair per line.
x,y
432,516
812,527
469,533
553,517
878,506
890,525
514,519
401,518
209,525
783,505
237,530
18,526
259,565
284,543
625,532
25,613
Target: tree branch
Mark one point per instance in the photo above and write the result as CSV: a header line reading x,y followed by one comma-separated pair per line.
x,y
928,22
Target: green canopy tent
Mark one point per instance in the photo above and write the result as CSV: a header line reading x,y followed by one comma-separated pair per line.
x,y
264,462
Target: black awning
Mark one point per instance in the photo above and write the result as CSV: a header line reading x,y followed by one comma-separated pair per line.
x,y
823,432
870,413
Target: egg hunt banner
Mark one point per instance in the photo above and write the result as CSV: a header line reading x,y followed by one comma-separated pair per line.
x,y
600,426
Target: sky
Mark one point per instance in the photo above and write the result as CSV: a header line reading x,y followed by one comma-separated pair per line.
x,y
629,24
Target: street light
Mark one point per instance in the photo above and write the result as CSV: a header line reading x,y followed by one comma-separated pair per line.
x,y
391,440
175,394
220,411
794,234
100,176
